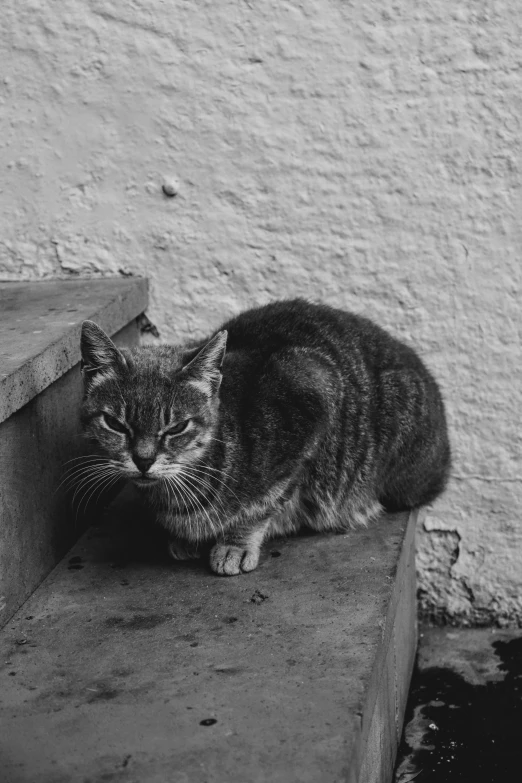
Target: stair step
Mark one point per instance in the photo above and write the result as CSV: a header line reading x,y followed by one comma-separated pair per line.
x,y
40,326
40,393
148,672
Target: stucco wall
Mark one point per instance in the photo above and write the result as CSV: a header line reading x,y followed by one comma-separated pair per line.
x,y
364,154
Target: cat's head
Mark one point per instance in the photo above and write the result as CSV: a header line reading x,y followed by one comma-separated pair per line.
x,y
149,411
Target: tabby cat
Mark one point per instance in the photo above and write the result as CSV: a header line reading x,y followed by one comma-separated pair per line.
x,y
292,414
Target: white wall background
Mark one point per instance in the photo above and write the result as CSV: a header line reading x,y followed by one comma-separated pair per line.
x,y
363,154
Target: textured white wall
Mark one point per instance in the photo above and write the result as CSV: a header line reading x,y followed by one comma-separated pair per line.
x,y
363,154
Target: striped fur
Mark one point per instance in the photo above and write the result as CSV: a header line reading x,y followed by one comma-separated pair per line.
x,y
299,415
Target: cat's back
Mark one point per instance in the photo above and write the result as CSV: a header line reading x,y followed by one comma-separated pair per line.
x,y
315,344
288,323
339,335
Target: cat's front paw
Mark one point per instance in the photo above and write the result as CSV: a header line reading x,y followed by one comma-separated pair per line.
x,y
181,550
228,560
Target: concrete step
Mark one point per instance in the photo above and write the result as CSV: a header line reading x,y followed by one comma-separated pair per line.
x,y
147,671
40,392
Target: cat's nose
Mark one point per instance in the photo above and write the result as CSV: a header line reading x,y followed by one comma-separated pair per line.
x,y
143,463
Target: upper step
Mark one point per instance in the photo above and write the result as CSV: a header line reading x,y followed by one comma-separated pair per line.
x,y
40,397
40,325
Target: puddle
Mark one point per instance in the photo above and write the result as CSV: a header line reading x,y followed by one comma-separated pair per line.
x,y
458,731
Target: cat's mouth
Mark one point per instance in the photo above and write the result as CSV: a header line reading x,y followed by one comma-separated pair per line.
x,y
144,481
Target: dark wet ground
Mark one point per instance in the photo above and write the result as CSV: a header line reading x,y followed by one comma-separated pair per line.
x,y
464,714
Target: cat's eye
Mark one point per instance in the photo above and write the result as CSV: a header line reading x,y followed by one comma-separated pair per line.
x,y
114,424
177,429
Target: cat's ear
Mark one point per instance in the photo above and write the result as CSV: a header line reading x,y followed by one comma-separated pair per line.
x,y
99,354
205,367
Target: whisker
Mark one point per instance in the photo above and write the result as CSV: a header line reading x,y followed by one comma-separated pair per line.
x,y
81,481
194,486
197,474
204,473
172,492
86,481
91,470
99,482
88,457
223,482
91,464
98,488
200,465
209,486
217,470
73,475
201,469
83,465
192,494
183,492
184,496
194,483
168,488
217,440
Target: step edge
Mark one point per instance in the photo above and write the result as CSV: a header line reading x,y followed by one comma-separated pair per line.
x,y
39,372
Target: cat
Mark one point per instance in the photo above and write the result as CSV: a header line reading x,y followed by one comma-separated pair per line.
x,y
292,414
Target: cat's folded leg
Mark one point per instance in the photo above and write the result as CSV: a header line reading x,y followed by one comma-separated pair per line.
x,y
182,550
240,553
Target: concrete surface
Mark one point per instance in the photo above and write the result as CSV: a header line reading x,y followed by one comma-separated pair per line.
x,y
149,670
464,712
364,154
40,327
39,438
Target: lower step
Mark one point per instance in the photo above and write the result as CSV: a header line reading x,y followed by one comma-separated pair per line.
x,y
151,672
